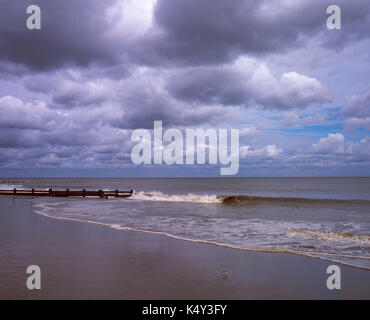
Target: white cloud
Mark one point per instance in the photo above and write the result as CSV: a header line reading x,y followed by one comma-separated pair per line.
x,y
296,119
359,123
19,115
269,151
363,147
247,82
131,18
248,131
334,143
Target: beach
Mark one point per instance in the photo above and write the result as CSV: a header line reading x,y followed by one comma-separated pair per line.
x,y
88,261
185,150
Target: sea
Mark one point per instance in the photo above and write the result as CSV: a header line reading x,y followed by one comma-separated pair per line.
x,y
325,218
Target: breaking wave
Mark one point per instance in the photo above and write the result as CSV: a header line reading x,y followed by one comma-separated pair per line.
x,y
241,200
159,196
255,200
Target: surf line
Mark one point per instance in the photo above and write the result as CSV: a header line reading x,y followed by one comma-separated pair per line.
x,y
168,147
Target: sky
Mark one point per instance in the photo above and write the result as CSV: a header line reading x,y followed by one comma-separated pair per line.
x,y
72,93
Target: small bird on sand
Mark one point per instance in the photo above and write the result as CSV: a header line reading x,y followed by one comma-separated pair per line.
x,y
225,274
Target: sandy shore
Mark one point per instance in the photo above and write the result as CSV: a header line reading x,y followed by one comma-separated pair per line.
x,y
86,261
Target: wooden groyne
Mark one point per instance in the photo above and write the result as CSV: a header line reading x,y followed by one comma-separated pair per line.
x,y
68,193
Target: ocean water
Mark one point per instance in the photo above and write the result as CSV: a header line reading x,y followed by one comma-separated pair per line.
x,y
327,218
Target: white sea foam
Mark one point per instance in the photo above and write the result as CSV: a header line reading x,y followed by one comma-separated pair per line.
x,y
159,196
10,186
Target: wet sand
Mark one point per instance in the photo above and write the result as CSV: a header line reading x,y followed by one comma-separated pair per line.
x,y
86,261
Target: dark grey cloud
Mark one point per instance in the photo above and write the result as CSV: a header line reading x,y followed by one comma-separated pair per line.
x,y
143,99
69,91
96,71
34,135
214,31
132,102
192,32
356,112
73,32
246,83
15,139
74,93
34,123
358,106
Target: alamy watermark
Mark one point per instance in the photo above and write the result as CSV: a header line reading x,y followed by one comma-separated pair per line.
x,y
33,21
34,280
334,21
334,280
170,147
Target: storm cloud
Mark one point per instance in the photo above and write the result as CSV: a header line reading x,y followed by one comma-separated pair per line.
x,y
73,32
216,31
72,92
247,83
